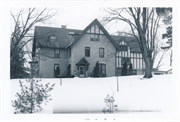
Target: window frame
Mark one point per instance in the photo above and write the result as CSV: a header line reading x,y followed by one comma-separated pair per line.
x,y
87,49
94,38
51,40
55,68
56,56
101,56
95,33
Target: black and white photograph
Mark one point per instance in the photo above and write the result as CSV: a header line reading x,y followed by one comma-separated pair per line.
x,y
90,61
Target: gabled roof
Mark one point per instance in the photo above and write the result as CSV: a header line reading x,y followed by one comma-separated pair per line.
x,y
131,42
42,36
88,27
68,37
83,61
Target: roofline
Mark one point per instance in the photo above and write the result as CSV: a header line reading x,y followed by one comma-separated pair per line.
x,y
58,28
169,70
101,27
51,47
129,45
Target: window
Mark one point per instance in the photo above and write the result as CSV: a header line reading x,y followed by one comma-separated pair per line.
x,y
123,47
52,38
94,37
125,59
56,70
102,69
95,31
101,52
56,53
87,51
158,73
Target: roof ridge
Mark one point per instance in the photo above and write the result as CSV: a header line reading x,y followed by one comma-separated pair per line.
x,y
59,28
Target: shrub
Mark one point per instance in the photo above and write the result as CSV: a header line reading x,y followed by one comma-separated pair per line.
x,y
68,74
124,69
32,96
130,72
109,100
96,72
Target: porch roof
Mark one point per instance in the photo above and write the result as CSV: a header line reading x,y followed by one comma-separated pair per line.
x,y
83,61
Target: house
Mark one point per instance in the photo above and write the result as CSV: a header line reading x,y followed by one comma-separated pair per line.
x,y
162,71
130,52
76,52
169,71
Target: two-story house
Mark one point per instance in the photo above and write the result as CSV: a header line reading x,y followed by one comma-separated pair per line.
x,y
76,52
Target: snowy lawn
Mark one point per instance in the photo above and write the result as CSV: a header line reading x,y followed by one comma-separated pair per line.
x,y
86,95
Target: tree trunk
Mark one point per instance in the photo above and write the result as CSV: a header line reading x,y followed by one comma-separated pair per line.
x,y
148,69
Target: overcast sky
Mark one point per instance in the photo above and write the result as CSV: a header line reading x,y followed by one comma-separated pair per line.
x,y
81,17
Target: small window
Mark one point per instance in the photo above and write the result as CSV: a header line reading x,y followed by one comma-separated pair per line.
x,y
96,28
95,31
52,38
56,70
56,53
101,52
123,47
94,37
87,51
158,73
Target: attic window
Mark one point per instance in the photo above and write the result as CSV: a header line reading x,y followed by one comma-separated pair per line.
x,y
52,38
95,31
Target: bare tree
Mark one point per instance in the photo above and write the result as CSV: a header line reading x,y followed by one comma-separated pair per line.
x,y
144,24
23,22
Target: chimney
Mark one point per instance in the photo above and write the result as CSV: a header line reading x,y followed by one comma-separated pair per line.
x,y
63,26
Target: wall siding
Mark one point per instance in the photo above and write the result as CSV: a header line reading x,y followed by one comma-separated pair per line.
x,y
78,52
47,64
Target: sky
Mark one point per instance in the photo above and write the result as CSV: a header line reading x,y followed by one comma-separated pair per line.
x,y
81,17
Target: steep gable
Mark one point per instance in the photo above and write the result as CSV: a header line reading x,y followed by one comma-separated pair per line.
x,y
100,29
130,41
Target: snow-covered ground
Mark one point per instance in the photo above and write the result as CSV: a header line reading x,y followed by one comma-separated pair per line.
x,y
86,95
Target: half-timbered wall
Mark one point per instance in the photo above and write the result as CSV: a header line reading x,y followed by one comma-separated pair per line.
x,y
130,57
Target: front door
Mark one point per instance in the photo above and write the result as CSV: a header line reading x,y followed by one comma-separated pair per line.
x,y
81,71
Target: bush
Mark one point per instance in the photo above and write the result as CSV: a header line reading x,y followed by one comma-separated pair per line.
x,y
96,72
109,100
130,72
68,74
124,69
32,96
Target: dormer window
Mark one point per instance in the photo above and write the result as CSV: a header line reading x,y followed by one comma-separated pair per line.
x,y
52,38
